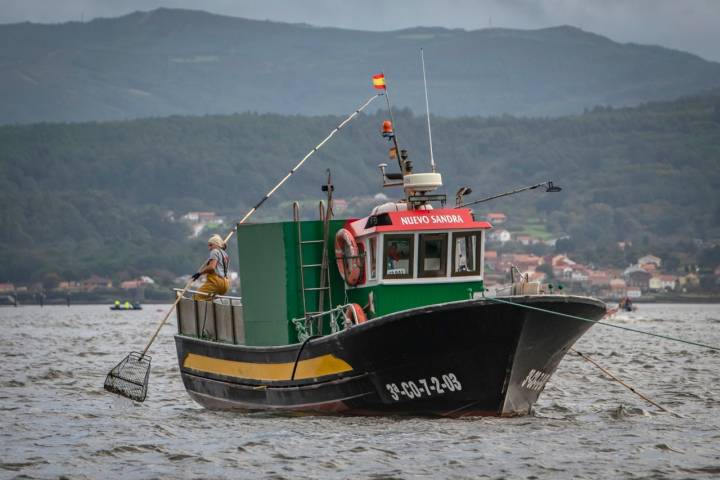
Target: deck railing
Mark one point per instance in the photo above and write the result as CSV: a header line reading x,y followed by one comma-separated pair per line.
x,y
219,319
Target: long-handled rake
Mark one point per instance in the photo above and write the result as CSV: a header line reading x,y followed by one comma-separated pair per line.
x,y
130,377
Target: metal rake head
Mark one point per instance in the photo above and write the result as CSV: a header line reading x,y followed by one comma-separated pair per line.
x,y
130,377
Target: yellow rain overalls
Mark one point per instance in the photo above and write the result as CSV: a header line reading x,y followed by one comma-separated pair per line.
x,y
214,283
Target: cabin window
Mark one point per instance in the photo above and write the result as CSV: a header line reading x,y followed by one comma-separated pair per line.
x,y
432,255
466,254
398,256
373,257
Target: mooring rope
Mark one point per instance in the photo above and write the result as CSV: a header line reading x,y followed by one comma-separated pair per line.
x,y
600,367
666,337
621,382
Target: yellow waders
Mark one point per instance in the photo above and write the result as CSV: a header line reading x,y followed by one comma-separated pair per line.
x,y
214,285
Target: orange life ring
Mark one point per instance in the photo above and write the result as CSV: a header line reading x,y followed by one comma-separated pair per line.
x,y
347,256
355,314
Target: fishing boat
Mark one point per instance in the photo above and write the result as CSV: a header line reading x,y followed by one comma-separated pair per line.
x,y
380,315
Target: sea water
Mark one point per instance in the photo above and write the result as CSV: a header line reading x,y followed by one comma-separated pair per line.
x,y
57,421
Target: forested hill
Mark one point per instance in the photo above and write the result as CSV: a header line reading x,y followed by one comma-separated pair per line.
x,y
94,198
166,62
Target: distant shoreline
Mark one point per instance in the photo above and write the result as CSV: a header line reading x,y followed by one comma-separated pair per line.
x,y
671,300
674,299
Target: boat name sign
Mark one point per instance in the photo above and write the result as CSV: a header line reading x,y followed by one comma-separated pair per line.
x,y
431,219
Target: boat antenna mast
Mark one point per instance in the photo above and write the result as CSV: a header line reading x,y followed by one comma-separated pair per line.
x,y
427,109
416,185
401,155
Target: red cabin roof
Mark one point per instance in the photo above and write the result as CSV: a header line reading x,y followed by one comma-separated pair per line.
x,y
413,220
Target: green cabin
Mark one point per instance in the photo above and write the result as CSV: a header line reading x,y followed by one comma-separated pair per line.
x,y
394,259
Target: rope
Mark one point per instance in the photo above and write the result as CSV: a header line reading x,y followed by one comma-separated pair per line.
x,y
629,387
666,337
297,357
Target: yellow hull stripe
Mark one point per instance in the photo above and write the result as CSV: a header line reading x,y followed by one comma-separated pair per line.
x,y
327,364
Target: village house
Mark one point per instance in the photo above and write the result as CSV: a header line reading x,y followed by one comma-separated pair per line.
x,y
580,275
95,282
562,266
7,288
526,239
651,268
69,285
633,292
618,287
526,262
496,218
138,283
650,259
599,279
637,277
662,283
502,236
491,259
689,280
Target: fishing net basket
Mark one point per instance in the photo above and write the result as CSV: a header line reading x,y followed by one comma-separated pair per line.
x,y
130,377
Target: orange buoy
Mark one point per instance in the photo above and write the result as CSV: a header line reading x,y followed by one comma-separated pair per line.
x,y
347,256
355,314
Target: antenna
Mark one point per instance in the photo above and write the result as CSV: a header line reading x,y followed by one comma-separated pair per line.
x,y
401,162
427,108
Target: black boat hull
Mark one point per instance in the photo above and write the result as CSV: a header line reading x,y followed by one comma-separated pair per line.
x,y
475,357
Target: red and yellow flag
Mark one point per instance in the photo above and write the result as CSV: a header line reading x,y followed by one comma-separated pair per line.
x,y
379,81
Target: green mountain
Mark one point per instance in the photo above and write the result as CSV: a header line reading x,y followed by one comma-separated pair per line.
x,y
95,197
166,62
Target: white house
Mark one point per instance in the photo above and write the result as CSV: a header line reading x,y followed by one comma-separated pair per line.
x,y
500,236
649,259
663,282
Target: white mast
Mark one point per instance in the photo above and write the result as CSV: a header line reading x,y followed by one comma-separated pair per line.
x,y
427,108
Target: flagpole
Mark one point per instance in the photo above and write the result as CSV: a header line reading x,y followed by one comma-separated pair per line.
x,y
392,119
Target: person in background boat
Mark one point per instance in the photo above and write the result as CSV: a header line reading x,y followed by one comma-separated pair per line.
x,y
127,306
216,269
117,304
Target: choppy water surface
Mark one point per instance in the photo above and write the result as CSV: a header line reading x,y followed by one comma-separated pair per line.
x,y
58,421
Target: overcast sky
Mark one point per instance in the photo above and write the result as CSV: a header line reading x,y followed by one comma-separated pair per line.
x,y
690,25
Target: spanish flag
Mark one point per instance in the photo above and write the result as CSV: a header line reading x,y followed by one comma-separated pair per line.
x,y
379,81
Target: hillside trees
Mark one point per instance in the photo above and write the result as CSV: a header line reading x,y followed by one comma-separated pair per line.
x,y
94,198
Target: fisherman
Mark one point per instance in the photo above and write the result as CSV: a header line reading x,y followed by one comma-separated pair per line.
x,y
216,269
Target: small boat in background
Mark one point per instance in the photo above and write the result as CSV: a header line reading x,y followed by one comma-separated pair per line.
x,y
126,306
626,305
